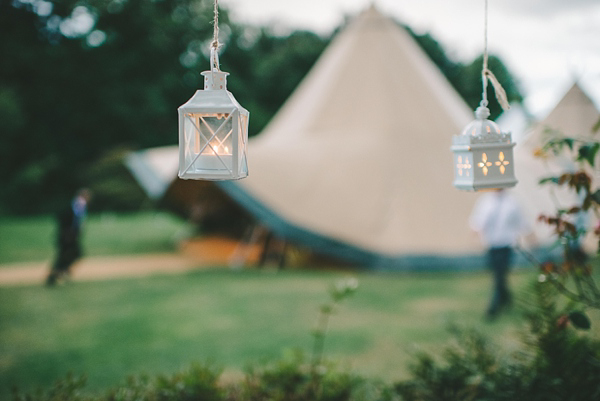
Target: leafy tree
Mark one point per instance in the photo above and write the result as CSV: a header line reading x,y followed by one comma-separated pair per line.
x,y
70,94
81,97
469,85
573,276
86,78
466,78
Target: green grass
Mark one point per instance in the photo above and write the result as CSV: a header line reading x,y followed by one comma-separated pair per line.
x,y
111,329
32,239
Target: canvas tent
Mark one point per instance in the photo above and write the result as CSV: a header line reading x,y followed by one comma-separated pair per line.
x,y
154,169
574,115
357,162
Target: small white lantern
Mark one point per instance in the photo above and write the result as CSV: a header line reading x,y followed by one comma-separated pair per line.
x,y
213,131
483,155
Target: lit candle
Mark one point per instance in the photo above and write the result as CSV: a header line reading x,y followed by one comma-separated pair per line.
x,y
209,160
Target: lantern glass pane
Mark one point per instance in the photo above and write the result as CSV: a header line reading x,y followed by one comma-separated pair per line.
x,y
208,142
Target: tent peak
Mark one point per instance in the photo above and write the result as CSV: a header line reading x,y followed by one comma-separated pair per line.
x,y
577,95
372,11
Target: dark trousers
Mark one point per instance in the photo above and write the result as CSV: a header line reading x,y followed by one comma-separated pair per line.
x,y
68,253
499,261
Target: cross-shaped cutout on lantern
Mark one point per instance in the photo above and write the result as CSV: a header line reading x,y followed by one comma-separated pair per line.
x,y
484,164
502,162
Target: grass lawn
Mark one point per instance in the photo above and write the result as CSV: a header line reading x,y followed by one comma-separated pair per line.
x,y
32,239
111,329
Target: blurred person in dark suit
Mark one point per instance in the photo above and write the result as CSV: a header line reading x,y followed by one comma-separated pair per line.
x,y
70,221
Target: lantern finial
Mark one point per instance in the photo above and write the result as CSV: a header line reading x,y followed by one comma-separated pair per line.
x,y
482,113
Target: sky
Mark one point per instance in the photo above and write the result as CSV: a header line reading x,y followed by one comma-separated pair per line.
x,y
546,44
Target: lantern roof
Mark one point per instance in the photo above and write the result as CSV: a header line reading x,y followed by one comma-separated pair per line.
x,y
208,100
481,125
482,131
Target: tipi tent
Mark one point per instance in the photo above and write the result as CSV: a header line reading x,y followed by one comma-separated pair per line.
x,y
357,161
154,169
573,116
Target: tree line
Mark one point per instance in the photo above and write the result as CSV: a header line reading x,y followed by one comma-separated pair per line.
x,y
84,81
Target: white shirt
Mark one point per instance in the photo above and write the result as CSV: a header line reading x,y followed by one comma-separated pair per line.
x,y
498,218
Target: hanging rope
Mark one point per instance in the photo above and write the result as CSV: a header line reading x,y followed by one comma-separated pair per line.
x,y
486,73
214,50
215,42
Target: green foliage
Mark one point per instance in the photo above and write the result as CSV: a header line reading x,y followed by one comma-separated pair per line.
x,y
556,364
288,379
68,98
580,320
291,379
574,275
110,329
587,152
466,78
199,382
68,389
564,364
468,84
472,370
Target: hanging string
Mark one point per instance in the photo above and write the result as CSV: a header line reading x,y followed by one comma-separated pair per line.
x,y
215,42
484,101
214,51
486,73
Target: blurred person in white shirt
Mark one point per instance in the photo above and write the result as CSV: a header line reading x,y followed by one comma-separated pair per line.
x,y
498,219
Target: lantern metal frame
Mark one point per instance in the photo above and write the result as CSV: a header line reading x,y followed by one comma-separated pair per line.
x,y
208,121
483,155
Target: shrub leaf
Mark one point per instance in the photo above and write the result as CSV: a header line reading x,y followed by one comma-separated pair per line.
x,y
580,320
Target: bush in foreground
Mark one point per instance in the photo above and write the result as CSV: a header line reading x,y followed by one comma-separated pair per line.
x,y
556,362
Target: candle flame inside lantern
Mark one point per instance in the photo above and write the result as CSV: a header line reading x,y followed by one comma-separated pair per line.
x,y
484,164
502,163
466,166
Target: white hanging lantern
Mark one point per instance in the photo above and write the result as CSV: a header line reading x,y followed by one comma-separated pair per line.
x,y
483,155
213,128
